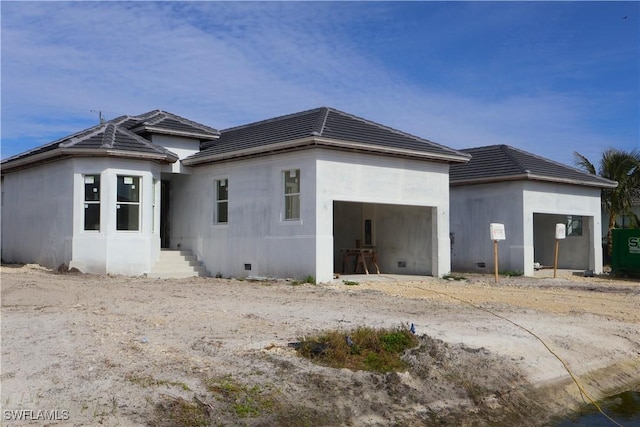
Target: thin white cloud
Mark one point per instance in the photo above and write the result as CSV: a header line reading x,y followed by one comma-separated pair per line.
x,y
226,64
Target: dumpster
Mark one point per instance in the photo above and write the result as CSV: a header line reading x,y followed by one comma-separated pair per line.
x,y
625,256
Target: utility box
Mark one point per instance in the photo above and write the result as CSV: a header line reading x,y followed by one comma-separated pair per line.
x,y
625,256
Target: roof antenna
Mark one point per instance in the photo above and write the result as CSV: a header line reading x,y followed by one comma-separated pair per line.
x,y
99,115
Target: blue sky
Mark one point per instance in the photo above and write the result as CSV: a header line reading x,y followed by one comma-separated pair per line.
x,y
546,77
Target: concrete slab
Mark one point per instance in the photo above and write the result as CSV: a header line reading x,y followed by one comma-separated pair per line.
x,y
361,278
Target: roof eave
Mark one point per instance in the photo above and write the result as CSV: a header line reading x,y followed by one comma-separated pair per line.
x,y
86,152
600,184
532,177
449,158
328,143
197,135
100,152
9,164
250,152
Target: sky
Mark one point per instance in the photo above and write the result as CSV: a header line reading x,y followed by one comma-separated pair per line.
x,y
550,78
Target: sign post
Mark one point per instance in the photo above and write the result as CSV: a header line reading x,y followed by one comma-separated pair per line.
x,y
495,258
561,233
497,233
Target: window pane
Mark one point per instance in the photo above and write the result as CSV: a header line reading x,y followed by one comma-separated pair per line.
x,y
92,202
574,226
92,216
292,194
127,217
91,188
292,206
223,190
222,212
128,188
292,181
222,197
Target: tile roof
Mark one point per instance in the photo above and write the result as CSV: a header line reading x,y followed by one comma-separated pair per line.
x,y
120,137
158,121
503,163
322,126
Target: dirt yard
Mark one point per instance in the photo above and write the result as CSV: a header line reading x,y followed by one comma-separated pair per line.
x,y
83,350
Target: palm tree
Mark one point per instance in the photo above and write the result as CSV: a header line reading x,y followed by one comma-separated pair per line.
x,y
623,167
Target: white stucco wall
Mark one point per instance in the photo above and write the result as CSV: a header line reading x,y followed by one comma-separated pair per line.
x,y
549,198
474,207
110,250
258,235
36,215
180,146
408,196
43,217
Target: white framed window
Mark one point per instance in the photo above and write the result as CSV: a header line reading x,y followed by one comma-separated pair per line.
x,y
91,202
222,202
292,194
574,225
128,203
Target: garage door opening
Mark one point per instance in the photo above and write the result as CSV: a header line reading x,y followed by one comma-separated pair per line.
x,y
574,251
400,236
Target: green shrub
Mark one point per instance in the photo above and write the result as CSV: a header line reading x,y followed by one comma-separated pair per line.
x,y
397,342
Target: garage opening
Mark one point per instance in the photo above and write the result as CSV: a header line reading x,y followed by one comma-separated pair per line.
x,y
574,251
399,236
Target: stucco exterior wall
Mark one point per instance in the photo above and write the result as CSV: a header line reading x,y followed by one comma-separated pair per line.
x,y
257,233
563,199
411,203
180,146
36,212
474,207
43,217
110,250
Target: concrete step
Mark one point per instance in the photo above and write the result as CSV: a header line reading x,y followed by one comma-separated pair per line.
x,y
177,265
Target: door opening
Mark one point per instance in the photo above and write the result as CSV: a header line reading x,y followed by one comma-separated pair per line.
x,y
164,214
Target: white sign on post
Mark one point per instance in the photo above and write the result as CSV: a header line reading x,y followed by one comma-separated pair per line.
x,y
497,231
561,233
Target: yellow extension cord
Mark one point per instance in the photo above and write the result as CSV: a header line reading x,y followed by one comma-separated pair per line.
x,y
566,367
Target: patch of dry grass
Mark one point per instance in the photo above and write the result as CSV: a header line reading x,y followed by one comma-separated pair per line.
x,y
178,412
364,348
148,381
245,401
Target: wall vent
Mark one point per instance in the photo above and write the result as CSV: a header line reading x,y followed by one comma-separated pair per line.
x,y
247,266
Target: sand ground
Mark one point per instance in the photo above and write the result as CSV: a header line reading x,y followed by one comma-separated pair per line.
x,y
121,351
